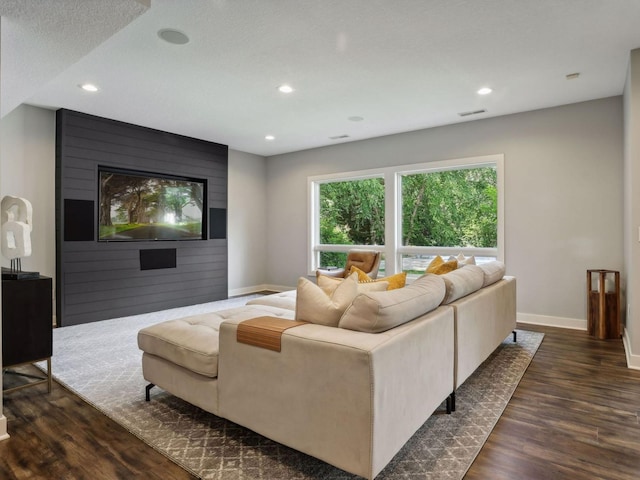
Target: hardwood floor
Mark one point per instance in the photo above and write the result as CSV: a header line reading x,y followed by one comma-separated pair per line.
x,y
573,416
59,436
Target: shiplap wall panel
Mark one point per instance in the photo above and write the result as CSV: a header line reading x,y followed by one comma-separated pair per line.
x,y
101,280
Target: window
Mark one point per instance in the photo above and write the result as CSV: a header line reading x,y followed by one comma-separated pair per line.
x,y
410,213
350,215
454,210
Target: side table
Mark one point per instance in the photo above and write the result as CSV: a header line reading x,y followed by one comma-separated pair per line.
x,y
27,328
603,308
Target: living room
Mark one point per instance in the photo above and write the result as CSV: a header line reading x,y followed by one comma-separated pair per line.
x,y
570,191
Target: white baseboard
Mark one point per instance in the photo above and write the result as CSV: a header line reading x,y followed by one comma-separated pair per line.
x,y
258,288
633,361
560,322
3,428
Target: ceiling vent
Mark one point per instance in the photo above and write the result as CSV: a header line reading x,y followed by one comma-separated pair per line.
x,y
475,112
338,137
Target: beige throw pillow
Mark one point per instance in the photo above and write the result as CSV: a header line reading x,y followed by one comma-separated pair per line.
x,y
315,306
379,311
329,284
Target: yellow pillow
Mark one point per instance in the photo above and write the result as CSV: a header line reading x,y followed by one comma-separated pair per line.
x,y
395,281
439,266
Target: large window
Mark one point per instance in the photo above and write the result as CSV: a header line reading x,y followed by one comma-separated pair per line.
x,y
454,210
409,213
351,213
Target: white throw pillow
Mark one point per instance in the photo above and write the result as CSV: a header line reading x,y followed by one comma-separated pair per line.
x,y
329,284
380,311
315,306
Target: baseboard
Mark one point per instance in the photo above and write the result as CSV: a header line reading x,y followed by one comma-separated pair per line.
x,y
236,292
3,428
633,361
560,322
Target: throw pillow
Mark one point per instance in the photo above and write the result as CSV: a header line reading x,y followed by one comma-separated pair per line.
x,y
395,281
462,260
380,311
315,306
440,267
329,284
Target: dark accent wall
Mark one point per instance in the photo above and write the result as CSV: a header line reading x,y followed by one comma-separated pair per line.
x,y
101,280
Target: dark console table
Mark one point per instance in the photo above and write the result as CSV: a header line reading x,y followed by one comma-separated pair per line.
x,y
27,325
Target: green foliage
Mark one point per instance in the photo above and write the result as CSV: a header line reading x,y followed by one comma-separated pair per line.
x,y
451,208
352,212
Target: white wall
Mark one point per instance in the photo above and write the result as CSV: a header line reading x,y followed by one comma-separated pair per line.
x,y
27,156
632,207
247,222
563,213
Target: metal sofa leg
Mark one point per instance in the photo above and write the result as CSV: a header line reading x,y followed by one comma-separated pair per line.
x,y
515,336
147,391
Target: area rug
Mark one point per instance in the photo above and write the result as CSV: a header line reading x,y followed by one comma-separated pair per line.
x,y
101,363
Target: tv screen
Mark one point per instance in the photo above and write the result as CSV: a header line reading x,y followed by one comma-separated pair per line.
x,y
137,206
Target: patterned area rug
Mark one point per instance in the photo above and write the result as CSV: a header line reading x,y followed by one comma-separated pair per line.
x,y
108,374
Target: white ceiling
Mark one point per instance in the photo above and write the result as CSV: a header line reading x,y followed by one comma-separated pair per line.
x,y
401,65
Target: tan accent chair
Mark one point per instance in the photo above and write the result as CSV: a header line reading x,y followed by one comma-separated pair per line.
x,y
366,260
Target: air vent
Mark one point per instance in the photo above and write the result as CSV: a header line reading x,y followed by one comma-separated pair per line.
x,y
338,137
475,112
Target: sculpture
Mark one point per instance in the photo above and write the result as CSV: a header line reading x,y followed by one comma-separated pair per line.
x,y
16,217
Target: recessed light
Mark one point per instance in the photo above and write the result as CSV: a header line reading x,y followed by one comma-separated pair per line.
x,y
175,37
285,88
573,76
269,137
484,91
89,87
355,118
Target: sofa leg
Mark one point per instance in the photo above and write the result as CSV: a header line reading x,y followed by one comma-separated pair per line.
x,y
515,336
147,390
451,402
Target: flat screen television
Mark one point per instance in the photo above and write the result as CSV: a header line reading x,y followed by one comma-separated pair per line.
x,y
143,206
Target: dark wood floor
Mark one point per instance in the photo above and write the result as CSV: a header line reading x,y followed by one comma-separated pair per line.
x,y
573,416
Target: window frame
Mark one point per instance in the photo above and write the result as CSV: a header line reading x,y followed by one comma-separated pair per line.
x,y
393,250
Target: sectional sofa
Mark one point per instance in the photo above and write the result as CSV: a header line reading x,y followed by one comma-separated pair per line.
x,y
350,393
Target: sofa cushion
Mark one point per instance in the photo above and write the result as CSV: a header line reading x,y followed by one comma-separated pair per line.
x,y
281,300
315,306
329,284
192,342
395,281
493,271
380,311
440,267
461,282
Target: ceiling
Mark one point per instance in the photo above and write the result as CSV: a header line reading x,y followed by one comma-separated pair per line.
x,y
399,65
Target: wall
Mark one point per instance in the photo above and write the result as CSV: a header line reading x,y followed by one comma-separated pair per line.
x,y
632,207
100,280
247,223
563,176
28,170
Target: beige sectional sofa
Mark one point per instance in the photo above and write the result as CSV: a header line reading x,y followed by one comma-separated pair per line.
x,y
350,398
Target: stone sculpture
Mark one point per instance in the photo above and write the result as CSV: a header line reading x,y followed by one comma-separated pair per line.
x,y
16,229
